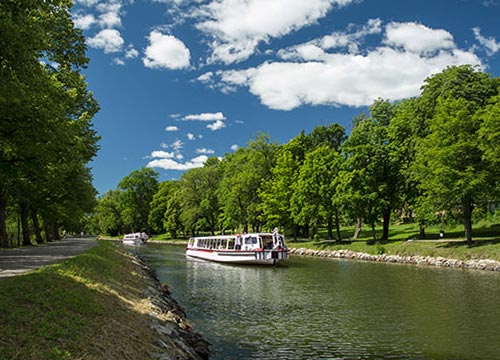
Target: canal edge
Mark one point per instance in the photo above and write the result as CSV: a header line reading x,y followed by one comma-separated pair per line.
x,y
416,260
175,335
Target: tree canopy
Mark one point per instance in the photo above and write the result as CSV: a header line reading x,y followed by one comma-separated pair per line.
x,y
412,160
46,134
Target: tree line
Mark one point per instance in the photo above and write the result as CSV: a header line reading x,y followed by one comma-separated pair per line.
x,y
46,134
416,159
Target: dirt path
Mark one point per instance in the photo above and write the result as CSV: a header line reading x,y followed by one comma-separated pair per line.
x,y
20,260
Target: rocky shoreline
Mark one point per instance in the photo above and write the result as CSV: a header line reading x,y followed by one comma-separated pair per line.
x,y
476,264
176,338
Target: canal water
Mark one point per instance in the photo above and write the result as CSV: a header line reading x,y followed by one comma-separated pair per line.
x,y
314,308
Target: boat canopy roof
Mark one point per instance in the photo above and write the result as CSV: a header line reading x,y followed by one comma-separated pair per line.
x,y
223,237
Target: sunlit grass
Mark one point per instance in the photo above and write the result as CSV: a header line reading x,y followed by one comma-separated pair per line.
x,y
88,307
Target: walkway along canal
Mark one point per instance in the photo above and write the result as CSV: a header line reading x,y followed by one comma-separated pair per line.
x,y
332,308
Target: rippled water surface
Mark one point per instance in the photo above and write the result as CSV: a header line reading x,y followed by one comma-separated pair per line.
x,y
314,308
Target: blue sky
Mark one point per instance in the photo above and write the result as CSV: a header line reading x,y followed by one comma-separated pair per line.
x,y
182,80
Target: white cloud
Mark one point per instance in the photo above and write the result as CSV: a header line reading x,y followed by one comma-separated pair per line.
x,y
219,124
169,164
205,116
109,40
110,19
205,151
314,76
84,22
87,2
238,26
490,44
350,40
418,38
234,147
177,145
171,128
131,53
118,61
162,154
191,136
166,51
206,77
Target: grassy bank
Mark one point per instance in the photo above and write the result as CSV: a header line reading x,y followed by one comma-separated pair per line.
x,y
482,249
87,307
403,241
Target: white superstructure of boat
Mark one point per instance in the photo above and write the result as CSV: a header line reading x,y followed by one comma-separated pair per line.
x,y
135,238
253,248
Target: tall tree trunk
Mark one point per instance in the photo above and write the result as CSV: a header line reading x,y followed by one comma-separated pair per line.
x,y
337,224
359,224
47,230
55,231
330,227
468,208
23,212
374,232
386,216
4,238
36,227
421,226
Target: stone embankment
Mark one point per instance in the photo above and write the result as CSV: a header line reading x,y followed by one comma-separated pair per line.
x,y
489,265
176,337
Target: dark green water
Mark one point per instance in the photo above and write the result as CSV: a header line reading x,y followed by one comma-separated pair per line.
x,y
315,308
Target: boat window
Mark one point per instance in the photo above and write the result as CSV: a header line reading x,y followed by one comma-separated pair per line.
x,y
251,240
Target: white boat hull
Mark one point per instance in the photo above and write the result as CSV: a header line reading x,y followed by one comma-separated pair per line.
x,y
263,257
132,242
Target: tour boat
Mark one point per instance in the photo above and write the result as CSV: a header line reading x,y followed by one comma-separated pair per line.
x,y
135,238
254,248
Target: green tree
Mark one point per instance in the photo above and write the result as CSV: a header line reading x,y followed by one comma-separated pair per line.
x,y
489,132
276,193
172,218
450,164
244,172
371,184
457,172
45,110
107,216
166,190
137,191
315,197
199,199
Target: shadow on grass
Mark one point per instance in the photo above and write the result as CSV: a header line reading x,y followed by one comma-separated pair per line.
x,y
83,307
465,244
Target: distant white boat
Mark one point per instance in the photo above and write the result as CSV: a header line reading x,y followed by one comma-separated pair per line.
x,y
135,238
254,248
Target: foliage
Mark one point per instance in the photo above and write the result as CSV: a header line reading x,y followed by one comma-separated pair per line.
x,y
424,158
136,194
450,167
46,134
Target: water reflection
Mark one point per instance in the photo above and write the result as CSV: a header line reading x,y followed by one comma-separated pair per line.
x,y
319,308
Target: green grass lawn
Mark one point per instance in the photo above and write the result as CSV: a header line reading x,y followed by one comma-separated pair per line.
x,y
486,244
87,307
